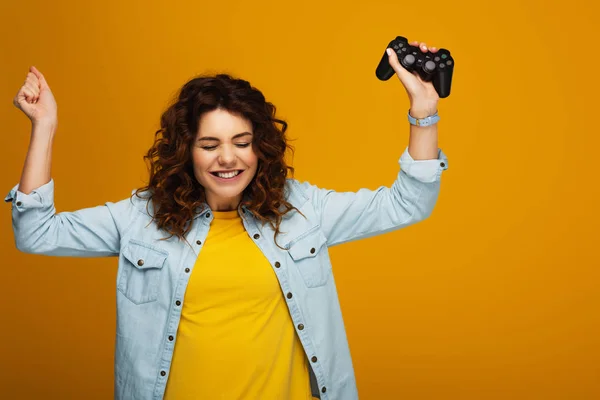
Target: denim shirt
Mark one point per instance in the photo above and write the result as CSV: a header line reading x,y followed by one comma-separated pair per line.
x,y
153,274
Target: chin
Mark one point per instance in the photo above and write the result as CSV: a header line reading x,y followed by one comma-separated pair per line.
x,y
228,191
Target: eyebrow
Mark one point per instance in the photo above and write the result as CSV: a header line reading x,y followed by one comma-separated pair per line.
x,y
217,139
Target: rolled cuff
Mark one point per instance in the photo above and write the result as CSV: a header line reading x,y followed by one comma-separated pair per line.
x,y
40,197
424,170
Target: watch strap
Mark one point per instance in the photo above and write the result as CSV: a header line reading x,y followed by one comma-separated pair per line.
x,y
427,121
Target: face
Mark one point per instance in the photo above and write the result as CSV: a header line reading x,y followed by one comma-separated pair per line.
x,y
224,161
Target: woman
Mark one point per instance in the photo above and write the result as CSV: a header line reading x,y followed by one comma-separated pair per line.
x,y
224,285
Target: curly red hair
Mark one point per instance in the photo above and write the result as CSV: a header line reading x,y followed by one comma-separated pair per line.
x,y
175,193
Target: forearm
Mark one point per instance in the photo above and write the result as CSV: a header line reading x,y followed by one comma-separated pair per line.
x,y
423,140
37,167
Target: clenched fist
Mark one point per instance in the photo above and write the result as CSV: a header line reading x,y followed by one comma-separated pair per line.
x,y
35,98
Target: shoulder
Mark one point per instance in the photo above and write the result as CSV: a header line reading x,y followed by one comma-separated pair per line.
x,y
298,192
135,203
304,191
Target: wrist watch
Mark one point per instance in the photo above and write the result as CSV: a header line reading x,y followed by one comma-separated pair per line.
x,y
430,120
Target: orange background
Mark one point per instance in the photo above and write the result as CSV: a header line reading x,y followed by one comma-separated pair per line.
x,y
494,297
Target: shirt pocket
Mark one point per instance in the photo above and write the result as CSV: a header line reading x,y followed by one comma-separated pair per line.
x,y
311,258
140,272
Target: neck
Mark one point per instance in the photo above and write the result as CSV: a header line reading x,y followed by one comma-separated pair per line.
x,y
224,204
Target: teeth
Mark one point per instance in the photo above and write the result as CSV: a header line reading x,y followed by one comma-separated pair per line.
x,y
227,175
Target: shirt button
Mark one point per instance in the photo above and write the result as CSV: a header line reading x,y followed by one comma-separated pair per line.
x,y
324,389
312,251
313,359
256,236
277,265
163,373
198,242
178,302
289,295
187,270
300,326
442,165
19,203
140,262
170,338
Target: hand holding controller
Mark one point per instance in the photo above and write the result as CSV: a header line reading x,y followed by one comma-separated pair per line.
x,y
436,67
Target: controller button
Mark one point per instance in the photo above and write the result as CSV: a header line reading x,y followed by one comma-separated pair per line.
x,y
449,62
437,59
400,44
403,49
395,47
444,56
442,65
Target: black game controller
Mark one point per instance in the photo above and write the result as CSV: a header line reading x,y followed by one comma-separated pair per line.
x,y
436,67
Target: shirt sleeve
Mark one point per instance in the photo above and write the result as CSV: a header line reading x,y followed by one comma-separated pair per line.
x,y
88,232
348,216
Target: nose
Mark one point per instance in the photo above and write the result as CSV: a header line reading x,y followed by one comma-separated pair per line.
x,y
227,155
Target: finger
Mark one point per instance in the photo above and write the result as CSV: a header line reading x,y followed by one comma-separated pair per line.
x,y
40,76
403,74
433,49
33,79
33,86
27,94
33,89
421,45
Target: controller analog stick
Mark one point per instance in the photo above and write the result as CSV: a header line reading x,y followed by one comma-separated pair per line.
x,y
429,66
408,60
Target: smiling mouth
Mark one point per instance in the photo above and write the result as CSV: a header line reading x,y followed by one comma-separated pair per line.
x,y
227,175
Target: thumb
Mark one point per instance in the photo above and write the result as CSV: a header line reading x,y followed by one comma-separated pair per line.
x,y
404,75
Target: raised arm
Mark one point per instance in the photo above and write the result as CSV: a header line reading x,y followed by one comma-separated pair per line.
x,y
37,227
37,102
347,216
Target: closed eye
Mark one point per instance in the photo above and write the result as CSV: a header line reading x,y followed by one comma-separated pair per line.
x,y
240,145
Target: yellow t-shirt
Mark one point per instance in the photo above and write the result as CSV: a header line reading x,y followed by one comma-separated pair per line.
x,y
236,339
